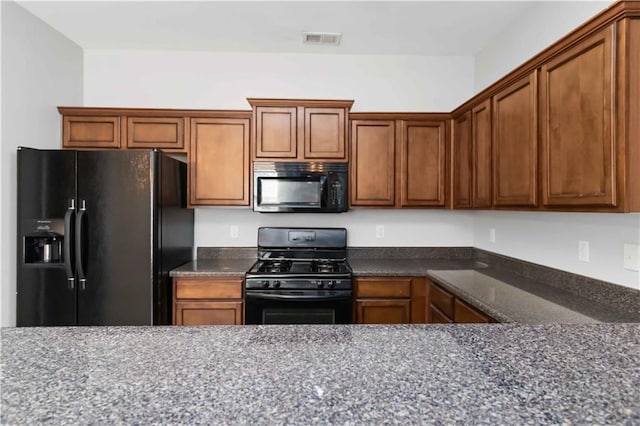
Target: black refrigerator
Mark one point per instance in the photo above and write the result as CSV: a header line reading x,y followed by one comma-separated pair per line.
x,y
98,232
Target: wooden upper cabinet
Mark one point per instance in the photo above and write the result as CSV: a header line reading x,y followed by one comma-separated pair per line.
x,y
219,164
325,133
165,133
300,129
515,144
128,128
422,163
577,114
462,155
482,164
276,134
98,132
373,162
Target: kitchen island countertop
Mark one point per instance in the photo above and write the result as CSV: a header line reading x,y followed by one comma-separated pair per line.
x,y
305,374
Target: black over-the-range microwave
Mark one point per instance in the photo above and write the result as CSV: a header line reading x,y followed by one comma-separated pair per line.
x,y
310,187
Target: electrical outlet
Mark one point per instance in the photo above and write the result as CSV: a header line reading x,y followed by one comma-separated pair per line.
x,y
632,257
379,231
583,251
492,235
233,230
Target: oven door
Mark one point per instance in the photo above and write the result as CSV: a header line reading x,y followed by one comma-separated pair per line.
x,y
298,307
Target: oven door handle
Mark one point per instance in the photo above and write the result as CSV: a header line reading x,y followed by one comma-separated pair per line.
x,y
298,297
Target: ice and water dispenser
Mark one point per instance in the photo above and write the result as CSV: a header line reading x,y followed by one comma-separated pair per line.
x,y
44,242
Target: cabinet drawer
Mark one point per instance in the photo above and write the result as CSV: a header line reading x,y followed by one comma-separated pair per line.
x,y
208,313
383,288
208,289
392,311
90,132
155,132
441,300
466,314
437,317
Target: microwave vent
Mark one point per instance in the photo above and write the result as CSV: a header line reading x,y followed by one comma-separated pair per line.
x,y
321,38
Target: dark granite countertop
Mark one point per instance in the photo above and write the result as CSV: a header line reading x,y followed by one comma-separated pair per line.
x,y
406,267
305,374
213,267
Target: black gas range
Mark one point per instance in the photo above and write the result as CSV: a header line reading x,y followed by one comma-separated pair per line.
x,y
301,277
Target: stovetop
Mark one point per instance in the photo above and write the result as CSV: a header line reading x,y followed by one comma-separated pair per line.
x,y
301,259
291,267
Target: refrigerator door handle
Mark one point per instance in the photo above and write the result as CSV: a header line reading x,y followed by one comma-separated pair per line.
x,y
69,217
81,219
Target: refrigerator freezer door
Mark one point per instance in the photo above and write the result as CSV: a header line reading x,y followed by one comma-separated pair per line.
x,y
46,190
116,237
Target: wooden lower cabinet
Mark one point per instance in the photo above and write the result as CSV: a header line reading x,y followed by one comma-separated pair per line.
x,y
208,301
390,300
437,317
208,313
391,311
464,313
445,308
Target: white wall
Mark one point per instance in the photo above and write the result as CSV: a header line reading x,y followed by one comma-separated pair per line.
x,y
40,70
411,228
552,238
225,80
542,25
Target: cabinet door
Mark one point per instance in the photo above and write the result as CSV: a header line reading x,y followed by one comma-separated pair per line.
x,y
437,317
578,147
219,165
97,132
462,159
466,314
481,137
208,313
422,164
324,133
156,132
372,163
393,311
276,132
515,144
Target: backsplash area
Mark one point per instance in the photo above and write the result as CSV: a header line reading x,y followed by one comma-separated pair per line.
x,y
413,228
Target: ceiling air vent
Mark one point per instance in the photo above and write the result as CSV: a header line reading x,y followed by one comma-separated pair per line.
x,y
321,38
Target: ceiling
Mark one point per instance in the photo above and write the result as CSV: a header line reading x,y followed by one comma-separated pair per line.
x,y
368,27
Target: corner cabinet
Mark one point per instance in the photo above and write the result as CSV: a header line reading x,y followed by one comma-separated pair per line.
x,y
577,122
208,301
398,160
300,130
515,144
471,157
124,128
390,300
219,162
462,158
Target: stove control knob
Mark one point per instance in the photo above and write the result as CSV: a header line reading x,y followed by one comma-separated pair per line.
x,y
276,284
265,283
331,284
320,284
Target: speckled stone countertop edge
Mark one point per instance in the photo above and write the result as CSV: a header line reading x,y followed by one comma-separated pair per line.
x,y
471,300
